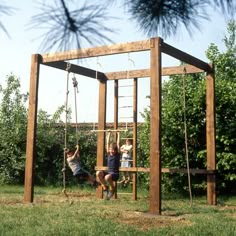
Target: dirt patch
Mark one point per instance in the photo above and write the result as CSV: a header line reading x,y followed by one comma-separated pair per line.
x,y
79,195
145,221
10,201
49,198
228,207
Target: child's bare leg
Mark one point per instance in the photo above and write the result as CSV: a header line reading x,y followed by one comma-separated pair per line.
x,y
128,176
108,178
91,179
100,176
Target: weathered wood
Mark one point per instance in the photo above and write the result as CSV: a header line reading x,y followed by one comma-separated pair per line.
x,y
163,170
155,127
101,126
210,133
156,47
97,51
116,106
184,57
135,109
143,73
180,70
80,70
31,128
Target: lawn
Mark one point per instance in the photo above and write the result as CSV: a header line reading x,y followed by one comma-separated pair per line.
x,y
52,213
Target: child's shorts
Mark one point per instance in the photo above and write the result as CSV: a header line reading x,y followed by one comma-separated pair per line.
x,y
114,176
81,175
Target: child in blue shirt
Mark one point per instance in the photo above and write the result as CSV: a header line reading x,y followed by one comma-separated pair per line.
x,y
113,163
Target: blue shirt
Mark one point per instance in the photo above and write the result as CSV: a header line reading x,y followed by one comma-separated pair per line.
x,y
113,163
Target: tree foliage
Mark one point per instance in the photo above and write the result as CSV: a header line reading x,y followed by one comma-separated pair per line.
x,y
169,16
50,140
5,10
13,122
225,68
70,26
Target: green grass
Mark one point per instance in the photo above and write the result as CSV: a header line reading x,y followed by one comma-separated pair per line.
x,y
83,214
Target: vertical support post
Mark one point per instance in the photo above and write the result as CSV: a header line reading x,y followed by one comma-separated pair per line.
x,y
116,104
135,108
101,126
155,126
210,132
31,128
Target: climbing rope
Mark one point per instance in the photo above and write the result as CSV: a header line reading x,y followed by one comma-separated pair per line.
x,y
186,135
75,84
65,135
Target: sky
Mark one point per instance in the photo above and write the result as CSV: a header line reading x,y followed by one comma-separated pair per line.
x,y
16,59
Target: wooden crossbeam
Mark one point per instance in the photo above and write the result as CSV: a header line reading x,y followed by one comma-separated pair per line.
x,y
163,170
80,70
143,73
182,56
98,51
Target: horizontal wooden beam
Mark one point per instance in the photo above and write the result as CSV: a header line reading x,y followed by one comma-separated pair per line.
x,y
185,171
180,70
98,51
184,57
76,69
166,71
143,73
163,170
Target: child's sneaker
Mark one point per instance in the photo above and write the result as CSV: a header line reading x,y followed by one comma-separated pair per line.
x,y
111,193
105,194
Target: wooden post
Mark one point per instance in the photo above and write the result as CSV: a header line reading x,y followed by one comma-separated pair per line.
x,y
116,104
31,128
101,126
135,108
210,133
155,126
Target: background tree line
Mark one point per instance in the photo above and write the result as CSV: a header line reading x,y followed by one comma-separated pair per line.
x,y
50,131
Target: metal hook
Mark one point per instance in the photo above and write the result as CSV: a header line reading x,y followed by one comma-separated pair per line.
x,y
133,64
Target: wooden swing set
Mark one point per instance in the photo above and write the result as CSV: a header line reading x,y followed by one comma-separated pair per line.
x,y
156,46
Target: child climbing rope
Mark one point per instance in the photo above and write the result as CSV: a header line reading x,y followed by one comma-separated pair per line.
x,y
73,160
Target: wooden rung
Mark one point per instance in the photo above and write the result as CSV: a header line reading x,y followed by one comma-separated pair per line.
x,y
109,130
163,170
192,171
128,85
125,160
123,117
125,96
124,193
125,106
127,138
